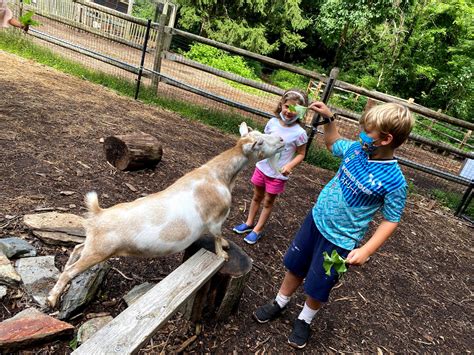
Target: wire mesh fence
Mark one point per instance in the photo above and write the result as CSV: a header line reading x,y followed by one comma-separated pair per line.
x,y
207,69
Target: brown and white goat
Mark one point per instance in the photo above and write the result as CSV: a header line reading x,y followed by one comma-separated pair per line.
x,y
168,221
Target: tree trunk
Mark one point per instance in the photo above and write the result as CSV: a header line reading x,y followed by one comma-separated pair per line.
x,y
133,151
222,296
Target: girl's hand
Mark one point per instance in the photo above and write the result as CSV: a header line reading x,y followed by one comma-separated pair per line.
x,y
285,171
321,108
357,257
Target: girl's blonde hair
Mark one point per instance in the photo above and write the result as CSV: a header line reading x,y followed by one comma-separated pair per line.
x,y
389,118
292,94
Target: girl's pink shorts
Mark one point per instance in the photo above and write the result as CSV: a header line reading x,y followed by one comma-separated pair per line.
x,y
272,185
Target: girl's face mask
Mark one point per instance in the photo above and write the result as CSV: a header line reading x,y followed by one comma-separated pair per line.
x,y
367,142
287,120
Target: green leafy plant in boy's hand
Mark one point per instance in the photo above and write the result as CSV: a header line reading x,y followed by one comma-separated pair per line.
x,y
300,110
26,19
336,261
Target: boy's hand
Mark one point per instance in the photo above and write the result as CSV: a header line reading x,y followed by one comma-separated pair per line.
x,y
357,257
321,108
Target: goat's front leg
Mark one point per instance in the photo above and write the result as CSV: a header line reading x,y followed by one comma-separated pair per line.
x,y
219,241
72,270
219,250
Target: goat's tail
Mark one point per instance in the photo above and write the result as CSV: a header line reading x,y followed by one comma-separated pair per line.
x,y
92,202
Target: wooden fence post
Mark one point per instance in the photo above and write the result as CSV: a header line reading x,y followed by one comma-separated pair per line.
x,y
160,35
465,139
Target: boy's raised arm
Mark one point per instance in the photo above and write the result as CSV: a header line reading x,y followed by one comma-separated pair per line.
x,y
331,134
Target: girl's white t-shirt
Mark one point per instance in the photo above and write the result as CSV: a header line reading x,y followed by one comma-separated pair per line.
x,y
293,136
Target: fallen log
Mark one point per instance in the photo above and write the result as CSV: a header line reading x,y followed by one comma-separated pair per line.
x,y
133,151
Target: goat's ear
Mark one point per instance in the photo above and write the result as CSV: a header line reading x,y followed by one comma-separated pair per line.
x,y
243,129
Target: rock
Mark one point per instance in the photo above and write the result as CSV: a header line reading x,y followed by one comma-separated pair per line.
x,y
91,327
58,238
136,292
16,248
82,290
31,326
3,291
8,275
56,222
39,276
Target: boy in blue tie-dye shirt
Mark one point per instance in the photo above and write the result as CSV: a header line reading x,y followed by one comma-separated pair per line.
x,y
369,179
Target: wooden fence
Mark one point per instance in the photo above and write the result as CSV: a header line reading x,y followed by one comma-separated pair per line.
x,y
95,19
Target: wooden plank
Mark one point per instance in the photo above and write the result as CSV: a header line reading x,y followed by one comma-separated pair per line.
x,y
132,328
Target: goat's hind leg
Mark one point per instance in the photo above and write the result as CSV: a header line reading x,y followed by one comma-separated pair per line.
x,y
70,271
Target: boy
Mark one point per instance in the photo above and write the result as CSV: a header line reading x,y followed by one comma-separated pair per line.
x,y
368,179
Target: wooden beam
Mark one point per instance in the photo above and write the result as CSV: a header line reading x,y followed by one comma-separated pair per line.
x,y
134,327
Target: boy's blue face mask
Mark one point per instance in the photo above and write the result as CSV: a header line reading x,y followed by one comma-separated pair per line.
x,y
367,142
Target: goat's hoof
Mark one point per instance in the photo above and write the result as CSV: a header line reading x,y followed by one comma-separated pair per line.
x,y
223,255
225,244
51,301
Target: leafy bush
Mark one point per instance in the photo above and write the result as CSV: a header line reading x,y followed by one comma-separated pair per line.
x,y
323,158
287,80
219,59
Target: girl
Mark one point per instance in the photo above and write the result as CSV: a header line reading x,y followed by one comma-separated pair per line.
x,y
6,17
268,183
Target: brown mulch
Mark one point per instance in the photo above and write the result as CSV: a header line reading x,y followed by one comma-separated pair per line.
x,y
415,294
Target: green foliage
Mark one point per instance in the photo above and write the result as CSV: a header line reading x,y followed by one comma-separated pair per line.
x,y
144,9
323,158
27,20
262,26
452,200
217,58
73,343
334,261
287,80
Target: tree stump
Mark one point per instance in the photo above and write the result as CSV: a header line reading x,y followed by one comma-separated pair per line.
x,y
222,295
133,151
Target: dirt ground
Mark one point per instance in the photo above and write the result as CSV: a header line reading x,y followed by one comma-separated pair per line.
x,y
415,295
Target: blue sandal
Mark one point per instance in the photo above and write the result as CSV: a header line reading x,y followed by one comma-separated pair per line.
x,y
242,228
253,237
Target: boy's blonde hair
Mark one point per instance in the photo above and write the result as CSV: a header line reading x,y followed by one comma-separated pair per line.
x,y
389,118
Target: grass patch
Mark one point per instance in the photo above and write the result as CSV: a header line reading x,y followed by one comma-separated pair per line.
x,y
452,200
323,158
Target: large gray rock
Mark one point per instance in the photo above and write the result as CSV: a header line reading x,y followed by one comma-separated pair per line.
x,y
58,238
30,326
39,276
8,275
82,290
16,248
56,222
137,292
91,327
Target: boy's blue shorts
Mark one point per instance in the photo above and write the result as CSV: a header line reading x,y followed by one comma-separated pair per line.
x,y
304,258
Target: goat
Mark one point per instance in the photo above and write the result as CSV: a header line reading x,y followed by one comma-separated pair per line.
x,y
168,221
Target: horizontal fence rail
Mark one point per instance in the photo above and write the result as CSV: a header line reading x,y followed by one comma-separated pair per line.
x,y
424,111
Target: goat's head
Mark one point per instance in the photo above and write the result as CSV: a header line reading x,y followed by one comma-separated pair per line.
x,y
258,146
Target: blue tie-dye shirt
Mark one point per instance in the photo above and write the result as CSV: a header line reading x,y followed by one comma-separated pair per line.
x,y
360,188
